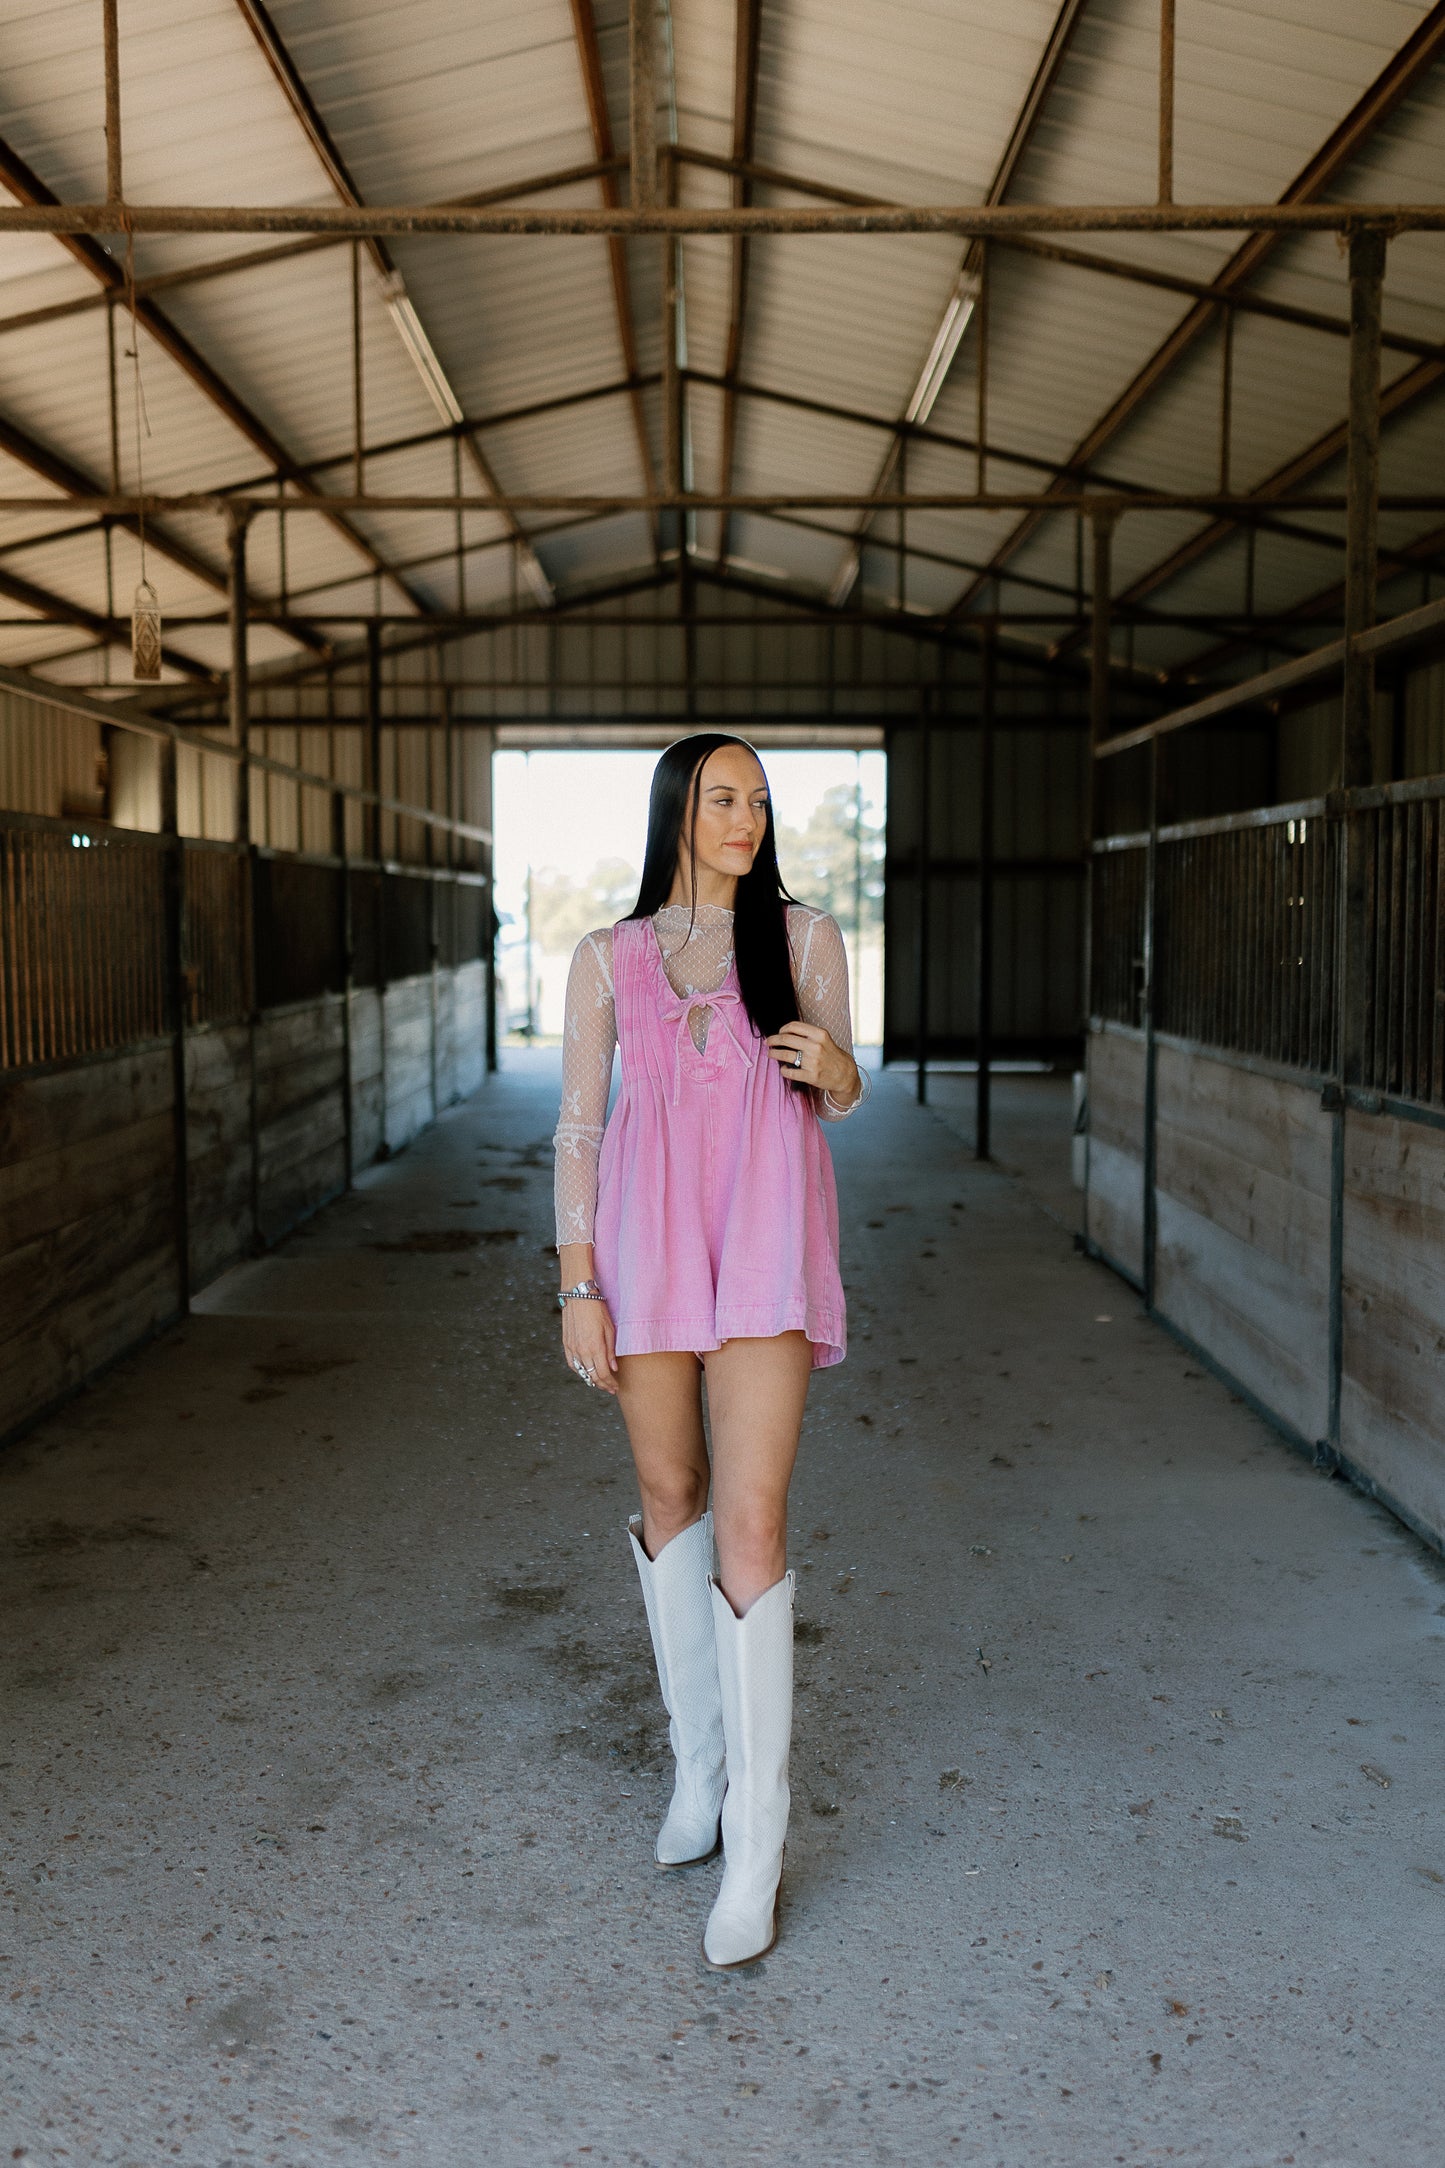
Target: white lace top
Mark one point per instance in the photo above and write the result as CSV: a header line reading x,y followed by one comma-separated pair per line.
x,y
695,964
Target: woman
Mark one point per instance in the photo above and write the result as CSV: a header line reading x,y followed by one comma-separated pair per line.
x,y
708,1215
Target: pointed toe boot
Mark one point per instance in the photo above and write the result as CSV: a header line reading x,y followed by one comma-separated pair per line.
x,y
755,1672
675,1589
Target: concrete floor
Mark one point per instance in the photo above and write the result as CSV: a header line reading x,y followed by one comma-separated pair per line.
x,y
333,1755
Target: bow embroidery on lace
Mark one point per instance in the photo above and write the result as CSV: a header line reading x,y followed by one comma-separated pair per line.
x,y
682,1016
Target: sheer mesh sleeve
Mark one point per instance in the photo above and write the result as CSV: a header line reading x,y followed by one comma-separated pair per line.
x,y
589,1035
820,973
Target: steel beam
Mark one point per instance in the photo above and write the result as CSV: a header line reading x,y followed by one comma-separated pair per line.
x,y
197,274
1414,629
1362,521
1031,462
82,221
594,87
1101,632
983,963
64,474
313,126
1114,267
746,48
32,192
1406,391
1020,135
1425,553
1141,499
1166,101
110,40
642,102
1405,69
57,609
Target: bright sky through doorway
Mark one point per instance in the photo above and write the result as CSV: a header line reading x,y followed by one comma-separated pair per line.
x,y
570,828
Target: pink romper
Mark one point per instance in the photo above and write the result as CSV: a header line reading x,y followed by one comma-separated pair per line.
x,y
717,1212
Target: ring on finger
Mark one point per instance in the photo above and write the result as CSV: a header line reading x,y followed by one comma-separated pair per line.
x,y
797,1061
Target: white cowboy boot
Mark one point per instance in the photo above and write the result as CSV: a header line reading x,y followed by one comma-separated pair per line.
x,y
755,1670
679,1614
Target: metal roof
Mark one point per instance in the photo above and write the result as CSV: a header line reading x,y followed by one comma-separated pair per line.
x,y
551,348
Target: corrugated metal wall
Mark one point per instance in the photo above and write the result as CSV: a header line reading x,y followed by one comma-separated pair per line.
x,y
50,762
54,763
1040,799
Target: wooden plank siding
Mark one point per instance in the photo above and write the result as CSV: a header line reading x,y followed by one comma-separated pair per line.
x,y
218,1148
1242,1176
367,1066
1114,1204
409,1105
300,1111
1243,1195
88,1213
88,1262
1392,1391
467,1037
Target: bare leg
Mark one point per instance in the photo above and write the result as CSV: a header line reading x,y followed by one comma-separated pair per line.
x,y
756,1391
661,1397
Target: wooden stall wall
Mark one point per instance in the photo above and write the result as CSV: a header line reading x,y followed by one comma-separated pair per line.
x,y
1114,1196
88,1221
90,1213
1266,1099
1242,1197
1392,1389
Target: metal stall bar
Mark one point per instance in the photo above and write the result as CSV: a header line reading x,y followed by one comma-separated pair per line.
x,y
988,666
925,756
1356,915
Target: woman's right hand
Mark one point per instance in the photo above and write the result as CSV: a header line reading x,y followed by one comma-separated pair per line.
x,y
589,1342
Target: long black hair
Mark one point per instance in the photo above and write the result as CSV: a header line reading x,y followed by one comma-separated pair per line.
x,y
760,924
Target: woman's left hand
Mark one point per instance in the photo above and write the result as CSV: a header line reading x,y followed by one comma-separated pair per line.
x,y
806,1055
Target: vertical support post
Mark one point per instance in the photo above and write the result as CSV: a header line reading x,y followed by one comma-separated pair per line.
x,y
1151,1068
434,898
344,942
239,705
373,741
175,966
1362,515
982,1123
358,400
114,191
448,807
687,605
925,867
373,850
981,371
671,374
641,46
434,943
449,754
1166,101
1357,731
493,928
1226,400
1101,523
900,598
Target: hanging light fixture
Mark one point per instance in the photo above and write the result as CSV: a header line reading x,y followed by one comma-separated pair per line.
x,y
145,615
145,635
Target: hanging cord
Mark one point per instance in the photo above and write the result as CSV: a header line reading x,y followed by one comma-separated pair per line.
x,y
142,417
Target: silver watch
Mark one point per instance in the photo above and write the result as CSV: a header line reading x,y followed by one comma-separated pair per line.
x,y
584,1291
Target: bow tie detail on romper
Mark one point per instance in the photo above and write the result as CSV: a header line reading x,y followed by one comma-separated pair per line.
x,y
682,1016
